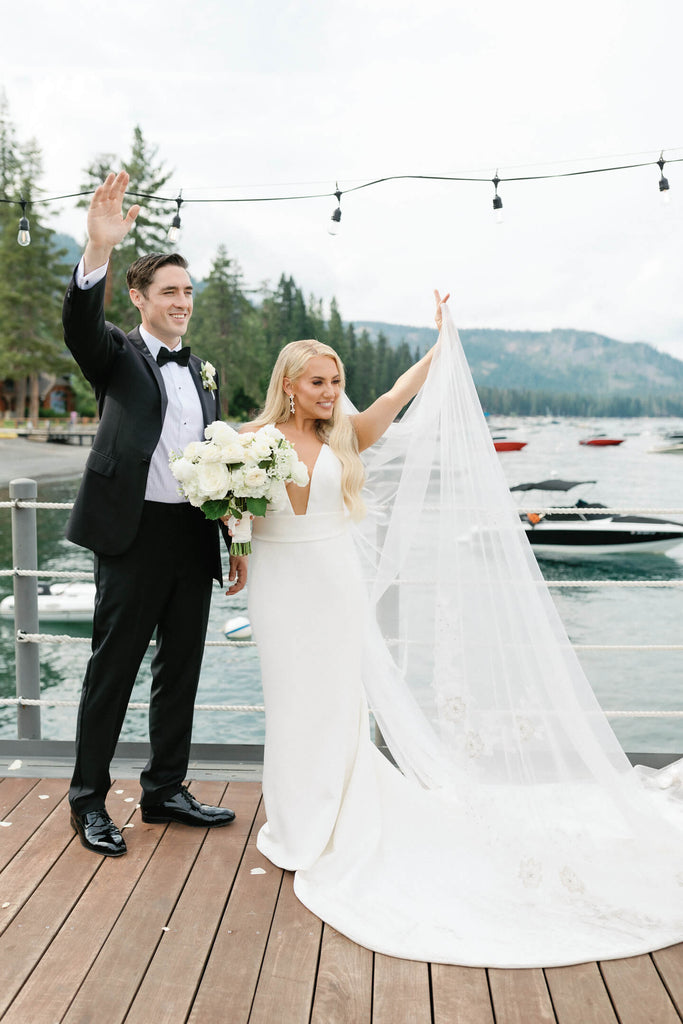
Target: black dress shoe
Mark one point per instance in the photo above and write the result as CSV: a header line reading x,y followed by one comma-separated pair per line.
x,y
186,810
98,833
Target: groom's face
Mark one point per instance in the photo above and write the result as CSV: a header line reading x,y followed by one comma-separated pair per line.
x,y
166,306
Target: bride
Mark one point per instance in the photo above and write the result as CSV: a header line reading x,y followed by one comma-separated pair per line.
x,y
510,829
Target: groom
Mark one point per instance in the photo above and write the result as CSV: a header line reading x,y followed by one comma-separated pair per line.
x,y
155,555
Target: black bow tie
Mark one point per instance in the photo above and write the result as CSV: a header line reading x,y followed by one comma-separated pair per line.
x,y
181,355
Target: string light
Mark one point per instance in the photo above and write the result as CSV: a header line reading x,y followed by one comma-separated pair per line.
x,y
24,236
174,229
663,182
335,219
497,201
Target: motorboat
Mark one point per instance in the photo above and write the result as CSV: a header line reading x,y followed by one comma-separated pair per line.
x,y
584,531
676,448
59,602
601,441
502,444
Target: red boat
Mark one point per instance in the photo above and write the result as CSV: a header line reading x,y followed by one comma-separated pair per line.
x,y
601,440
508,446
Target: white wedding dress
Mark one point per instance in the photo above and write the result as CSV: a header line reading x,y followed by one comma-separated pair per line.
x,y
515,833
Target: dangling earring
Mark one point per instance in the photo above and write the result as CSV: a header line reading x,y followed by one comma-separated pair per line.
x,y
291,404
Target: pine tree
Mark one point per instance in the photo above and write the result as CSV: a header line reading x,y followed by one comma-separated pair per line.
x,y
33,277
147,177
224,333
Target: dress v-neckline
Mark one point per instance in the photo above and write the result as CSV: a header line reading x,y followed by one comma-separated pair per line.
x,y
310,485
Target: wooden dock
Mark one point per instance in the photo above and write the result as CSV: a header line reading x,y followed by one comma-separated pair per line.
x,y
195,926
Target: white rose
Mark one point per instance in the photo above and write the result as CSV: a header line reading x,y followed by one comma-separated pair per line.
x,y
232,452
212,452
194,450
183,470
261,447
246,438
220,432
213,478
236,482
256,480
299,474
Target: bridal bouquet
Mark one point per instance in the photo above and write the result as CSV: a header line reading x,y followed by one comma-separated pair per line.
x,y
237,475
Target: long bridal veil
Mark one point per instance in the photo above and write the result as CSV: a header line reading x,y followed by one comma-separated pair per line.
x,y
478,692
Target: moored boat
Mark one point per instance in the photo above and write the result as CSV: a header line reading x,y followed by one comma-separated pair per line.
x,y
586,531
501,444
59,602
601,441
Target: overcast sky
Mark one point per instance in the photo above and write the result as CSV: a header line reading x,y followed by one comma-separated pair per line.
x,y
280,98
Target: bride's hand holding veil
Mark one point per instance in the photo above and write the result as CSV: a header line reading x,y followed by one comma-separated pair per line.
x,y
374,421
439,303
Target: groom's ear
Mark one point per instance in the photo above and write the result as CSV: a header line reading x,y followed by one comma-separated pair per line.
x,y
135,297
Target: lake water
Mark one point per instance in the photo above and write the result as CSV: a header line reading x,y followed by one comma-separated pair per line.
x,y
629,475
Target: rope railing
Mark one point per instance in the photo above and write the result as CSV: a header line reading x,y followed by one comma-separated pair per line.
x,y
47,702
552,510
64,638
259,708
63,574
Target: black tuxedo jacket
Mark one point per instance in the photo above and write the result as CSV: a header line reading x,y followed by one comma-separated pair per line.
x,y
132,402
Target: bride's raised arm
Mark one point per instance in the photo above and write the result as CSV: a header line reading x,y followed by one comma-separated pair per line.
x,y
374,421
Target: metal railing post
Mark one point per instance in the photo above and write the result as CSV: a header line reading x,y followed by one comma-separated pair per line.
x,y
25,556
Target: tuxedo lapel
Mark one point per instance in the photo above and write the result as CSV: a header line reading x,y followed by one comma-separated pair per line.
x,y
136,339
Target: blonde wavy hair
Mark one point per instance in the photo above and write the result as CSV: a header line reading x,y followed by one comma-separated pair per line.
x,y
338,431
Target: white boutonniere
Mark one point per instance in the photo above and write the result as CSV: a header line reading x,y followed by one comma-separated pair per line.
x,y
209,376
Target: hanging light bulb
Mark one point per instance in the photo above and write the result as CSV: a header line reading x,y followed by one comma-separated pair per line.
x,y
497,202
333,226
663,182
24,236
174,229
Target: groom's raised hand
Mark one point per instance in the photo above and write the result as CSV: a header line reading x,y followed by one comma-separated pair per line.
x,y
106,224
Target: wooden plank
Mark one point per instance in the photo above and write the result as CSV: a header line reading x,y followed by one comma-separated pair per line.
x,y
168,990
343,992
669,963
520,997
53,979
122,961
233,968
287,981
42,842
460,995
578,993
637,991
28,816
401,991
12,791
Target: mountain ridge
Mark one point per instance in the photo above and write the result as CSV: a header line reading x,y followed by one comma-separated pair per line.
x,y
562,360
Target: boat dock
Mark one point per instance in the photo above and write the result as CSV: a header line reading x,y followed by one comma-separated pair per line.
x,y
194,926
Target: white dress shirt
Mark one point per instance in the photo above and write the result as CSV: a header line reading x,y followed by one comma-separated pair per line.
x,y
184,419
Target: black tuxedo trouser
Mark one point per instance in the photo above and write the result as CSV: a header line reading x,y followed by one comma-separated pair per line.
x,y
162,581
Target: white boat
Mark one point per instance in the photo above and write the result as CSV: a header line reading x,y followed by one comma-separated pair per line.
x,y
675,448
584,531
59,602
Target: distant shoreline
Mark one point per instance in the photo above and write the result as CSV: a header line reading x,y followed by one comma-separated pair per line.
x,y
40,461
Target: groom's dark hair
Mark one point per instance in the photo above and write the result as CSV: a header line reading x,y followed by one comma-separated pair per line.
x,y
141,273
